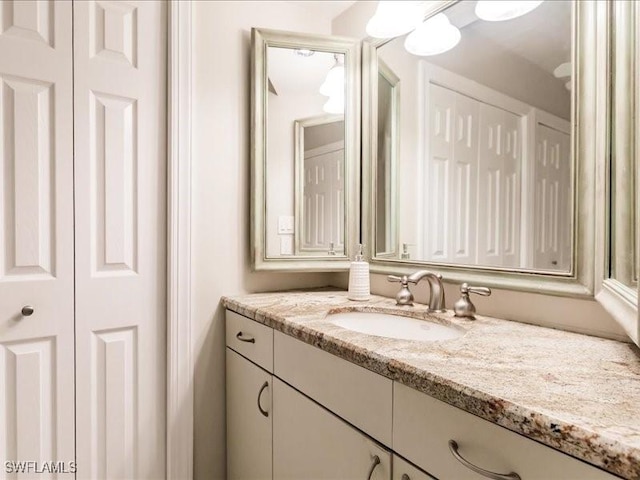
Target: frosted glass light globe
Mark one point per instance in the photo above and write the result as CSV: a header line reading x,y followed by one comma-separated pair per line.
x,y
334,82
334,105
436,35
394,18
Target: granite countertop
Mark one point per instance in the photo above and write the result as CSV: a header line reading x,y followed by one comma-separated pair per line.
x,y
576,393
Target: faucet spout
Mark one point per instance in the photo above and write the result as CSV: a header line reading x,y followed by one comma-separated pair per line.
x,y
436,288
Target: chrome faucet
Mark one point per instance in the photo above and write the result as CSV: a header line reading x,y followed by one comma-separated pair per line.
x,y
436,289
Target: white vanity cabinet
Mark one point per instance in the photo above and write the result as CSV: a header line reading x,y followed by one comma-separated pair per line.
x,y
310,442
295,411
423,427
249,392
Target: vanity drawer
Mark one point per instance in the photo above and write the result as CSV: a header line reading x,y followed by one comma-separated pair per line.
x,y
356,394
423,426
250,339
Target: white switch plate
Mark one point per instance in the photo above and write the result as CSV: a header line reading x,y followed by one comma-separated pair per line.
x,y
286,245
285,225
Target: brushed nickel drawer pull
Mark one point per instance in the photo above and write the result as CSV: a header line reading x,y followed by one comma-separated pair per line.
x,y
240,336
374,464
453,448
262,389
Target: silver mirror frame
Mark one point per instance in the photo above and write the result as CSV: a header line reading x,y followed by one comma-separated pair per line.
x,y
589,133
618,240
394,82
260,40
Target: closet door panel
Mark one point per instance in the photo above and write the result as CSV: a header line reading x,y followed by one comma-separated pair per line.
x,y
120,175
36,240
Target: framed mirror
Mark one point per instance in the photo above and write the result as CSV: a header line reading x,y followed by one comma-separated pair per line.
x,y
305,150
498,131
618,213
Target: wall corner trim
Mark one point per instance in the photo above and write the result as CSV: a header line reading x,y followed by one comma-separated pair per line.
x,y
179,428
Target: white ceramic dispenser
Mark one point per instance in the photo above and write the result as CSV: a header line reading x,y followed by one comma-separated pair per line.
x,y
359,287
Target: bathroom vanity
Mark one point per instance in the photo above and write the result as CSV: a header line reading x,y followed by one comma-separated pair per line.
x,y
307,398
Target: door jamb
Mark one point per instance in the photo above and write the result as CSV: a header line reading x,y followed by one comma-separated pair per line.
x,y
179,427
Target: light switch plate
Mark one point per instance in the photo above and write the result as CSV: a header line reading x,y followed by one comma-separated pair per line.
x,y
285,225
286,245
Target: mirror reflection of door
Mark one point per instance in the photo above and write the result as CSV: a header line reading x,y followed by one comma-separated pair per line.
x,y
485,168
320,166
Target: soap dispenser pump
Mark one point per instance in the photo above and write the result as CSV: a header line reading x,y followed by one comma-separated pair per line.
x,y
359,287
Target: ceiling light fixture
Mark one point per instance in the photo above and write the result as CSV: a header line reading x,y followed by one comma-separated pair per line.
x,y
436,35
500,10
394,18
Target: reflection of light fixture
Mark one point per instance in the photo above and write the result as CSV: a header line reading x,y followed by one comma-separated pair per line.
x,y
334,82
562,70
304,52
335,104
436,35
394,18
500,10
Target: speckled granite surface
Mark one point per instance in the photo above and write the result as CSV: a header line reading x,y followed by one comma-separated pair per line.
x,y
576,393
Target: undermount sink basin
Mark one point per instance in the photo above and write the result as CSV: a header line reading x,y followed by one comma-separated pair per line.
x,y
394,326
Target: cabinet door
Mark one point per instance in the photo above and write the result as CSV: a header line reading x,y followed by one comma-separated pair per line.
x,y
309,442
249,419
403,470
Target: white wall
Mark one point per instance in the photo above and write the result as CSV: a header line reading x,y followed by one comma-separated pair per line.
x,y
221,43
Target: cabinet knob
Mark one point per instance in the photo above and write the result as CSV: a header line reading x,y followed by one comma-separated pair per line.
x,y
27,311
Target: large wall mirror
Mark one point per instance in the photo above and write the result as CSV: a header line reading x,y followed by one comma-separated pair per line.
x,y
618,197
480,144
306,143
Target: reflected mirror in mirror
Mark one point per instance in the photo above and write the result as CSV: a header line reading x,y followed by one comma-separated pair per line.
x,y
305,147
477,149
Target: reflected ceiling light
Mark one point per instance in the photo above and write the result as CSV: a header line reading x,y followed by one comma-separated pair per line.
x,y
436,35
334,105
304,52
568,85
334,82
562,70
394,18
500,10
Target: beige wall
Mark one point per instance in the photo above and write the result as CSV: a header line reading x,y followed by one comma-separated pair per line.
x,y
221,55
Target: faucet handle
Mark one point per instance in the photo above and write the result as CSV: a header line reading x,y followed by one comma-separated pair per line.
x,y
404,296
464,307
397,279
466,288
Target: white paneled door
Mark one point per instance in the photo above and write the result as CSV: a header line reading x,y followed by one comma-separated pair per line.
x,y
120,190
82,263
36,239
324,199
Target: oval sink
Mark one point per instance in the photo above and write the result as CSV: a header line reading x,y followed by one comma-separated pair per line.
x,y
394,326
